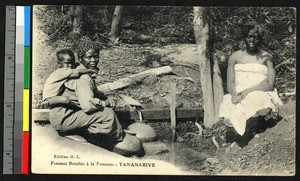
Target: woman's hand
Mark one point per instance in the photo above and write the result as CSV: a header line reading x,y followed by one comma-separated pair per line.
x,y
235,99
239,97
244,93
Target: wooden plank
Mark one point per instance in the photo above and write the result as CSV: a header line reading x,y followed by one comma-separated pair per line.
x,y
173,110
42,115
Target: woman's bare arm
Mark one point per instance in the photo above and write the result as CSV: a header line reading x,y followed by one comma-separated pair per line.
x,y
231,75
269,86
235,98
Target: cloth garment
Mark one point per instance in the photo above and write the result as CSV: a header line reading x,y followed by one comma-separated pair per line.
x,y
98,125
94,120
54,85
247,76
86,92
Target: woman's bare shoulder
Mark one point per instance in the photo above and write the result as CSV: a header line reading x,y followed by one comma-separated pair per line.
x,y
236,55
239,52
266,57
266,54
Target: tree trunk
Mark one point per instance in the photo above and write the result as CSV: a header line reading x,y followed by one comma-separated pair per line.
x,y
201,28
115,25
218,90
76,18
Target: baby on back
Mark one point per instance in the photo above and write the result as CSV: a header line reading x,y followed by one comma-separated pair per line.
x,y
54,85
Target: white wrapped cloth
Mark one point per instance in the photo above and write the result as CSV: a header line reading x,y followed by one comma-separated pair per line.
x,y
246,76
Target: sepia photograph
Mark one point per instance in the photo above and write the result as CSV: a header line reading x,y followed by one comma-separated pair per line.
x,y
163,90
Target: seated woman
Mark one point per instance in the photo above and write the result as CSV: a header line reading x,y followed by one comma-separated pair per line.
x,y
80,109
250,83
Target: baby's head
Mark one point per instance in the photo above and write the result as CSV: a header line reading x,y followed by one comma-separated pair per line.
x,y
66,58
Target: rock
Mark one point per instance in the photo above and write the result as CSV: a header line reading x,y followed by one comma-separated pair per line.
x,y
155,148
143,131
130,146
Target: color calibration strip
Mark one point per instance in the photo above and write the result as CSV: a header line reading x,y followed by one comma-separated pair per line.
x,y
25,145
16,90
19,70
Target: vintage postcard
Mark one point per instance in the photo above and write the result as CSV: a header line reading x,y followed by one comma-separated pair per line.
x,y
163,90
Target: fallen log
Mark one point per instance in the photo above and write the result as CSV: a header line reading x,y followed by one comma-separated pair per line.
x,y
129,100
189,65
125,114
124,82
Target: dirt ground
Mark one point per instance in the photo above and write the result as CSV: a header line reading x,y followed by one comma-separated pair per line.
x,y
271,152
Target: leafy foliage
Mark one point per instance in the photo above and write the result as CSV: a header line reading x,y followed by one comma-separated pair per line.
x,y
164,25
157,26
279,29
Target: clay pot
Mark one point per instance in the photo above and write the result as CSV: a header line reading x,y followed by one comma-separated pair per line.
x,y
130,146
143,131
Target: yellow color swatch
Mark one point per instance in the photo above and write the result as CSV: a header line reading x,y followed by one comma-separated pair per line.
x,y
26,110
